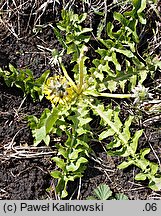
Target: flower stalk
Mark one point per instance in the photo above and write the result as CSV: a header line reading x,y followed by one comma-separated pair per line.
x,y
109,95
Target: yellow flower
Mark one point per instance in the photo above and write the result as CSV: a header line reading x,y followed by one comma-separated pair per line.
x,y
58,90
